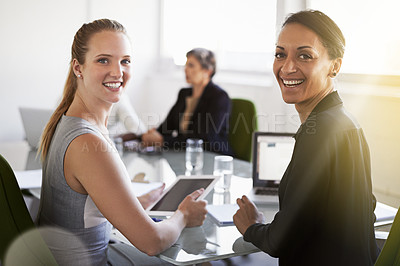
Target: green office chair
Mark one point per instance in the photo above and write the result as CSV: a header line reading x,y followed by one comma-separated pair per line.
x,y
242,124
390,254
16,223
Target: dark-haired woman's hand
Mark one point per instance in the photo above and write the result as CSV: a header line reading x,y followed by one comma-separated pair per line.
x,y
247,214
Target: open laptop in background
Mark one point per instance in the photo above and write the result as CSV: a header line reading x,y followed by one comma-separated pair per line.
x,y
271,155
34,121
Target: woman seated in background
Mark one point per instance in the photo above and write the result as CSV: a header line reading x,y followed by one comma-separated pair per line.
x,y
124,122
326,206
85,183
201,111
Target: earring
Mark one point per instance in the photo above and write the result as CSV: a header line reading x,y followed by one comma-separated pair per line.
x,y
334,74
79,75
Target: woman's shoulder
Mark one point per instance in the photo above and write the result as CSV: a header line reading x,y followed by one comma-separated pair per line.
x,y
216,91
336,119
70,127
72,123
331,117
90,143
216,87
90,146
184,92
329,124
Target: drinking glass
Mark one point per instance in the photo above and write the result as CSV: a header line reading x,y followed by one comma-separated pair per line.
x,y
223,167
194,155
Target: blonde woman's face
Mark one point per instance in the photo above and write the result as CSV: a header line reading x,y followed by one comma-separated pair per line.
x,y
107,68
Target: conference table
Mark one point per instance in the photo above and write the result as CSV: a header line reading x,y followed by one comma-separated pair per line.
x,y
208,242
195,245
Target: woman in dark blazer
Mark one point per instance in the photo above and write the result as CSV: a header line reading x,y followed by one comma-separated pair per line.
x,y
201,111
326,206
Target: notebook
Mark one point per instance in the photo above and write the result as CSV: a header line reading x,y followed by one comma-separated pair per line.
x,y
34,121
385,214
271,155
222,215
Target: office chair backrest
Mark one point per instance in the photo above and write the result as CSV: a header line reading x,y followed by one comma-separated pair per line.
x,y
390,254
16,220
242,124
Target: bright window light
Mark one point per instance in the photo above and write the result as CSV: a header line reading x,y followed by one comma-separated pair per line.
x,y
370,29
242,34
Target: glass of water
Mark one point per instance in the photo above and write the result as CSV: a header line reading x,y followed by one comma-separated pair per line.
x,y
223,167
194,155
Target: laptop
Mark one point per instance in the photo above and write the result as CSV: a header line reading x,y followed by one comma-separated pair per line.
x,y
34,121
271,155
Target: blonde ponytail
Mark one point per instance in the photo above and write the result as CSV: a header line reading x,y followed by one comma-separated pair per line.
x,y
68,97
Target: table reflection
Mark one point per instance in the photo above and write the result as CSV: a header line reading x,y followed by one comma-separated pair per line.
x,y
195,245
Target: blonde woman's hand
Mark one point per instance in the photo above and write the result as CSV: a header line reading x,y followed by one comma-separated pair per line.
x,y
194,210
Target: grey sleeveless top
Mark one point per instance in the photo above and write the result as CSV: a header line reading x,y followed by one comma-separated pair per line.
x,y
76,232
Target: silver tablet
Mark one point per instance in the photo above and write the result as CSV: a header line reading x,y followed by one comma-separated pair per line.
x,y
172,196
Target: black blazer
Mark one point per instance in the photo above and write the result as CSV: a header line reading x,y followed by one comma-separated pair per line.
x,y
326,206
210,120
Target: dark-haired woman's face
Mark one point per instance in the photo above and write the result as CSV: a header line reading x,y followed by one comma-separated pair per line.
x,y
194,73
302,66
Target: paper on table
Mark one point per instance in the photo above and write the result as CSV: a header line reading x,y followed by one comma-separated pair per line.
x,y
29,179
222,214
384,212
33,179
142,188
154,170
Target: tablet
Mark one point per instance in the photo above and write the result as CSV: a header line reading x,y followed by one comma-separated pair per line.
x,y
169,201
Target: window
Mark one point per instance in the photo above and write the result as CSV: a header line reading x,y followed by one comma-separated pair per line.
x,y
370,29
240,33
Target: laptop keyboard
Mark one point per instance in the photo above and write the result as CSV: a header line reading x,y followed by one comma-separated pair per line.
x,y
266,191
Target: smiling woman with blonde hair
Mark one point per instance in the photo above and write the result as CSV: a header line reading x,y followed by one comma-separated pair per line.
x,y
86,187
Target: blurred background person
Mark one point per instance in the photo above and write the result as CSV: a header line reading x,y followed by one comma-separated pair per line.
x,y
201,111
124,122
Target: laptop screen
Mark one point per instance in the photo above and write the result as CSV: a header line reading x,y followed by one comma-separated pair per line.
x,y
271,156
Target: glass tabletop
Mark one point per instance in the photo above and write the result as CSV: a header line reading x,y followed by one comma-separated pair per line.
x,y
209,241
195,245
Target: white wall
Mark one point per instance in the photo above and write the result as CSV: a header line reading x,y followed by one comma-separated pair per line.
x,y
35,49
36,37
